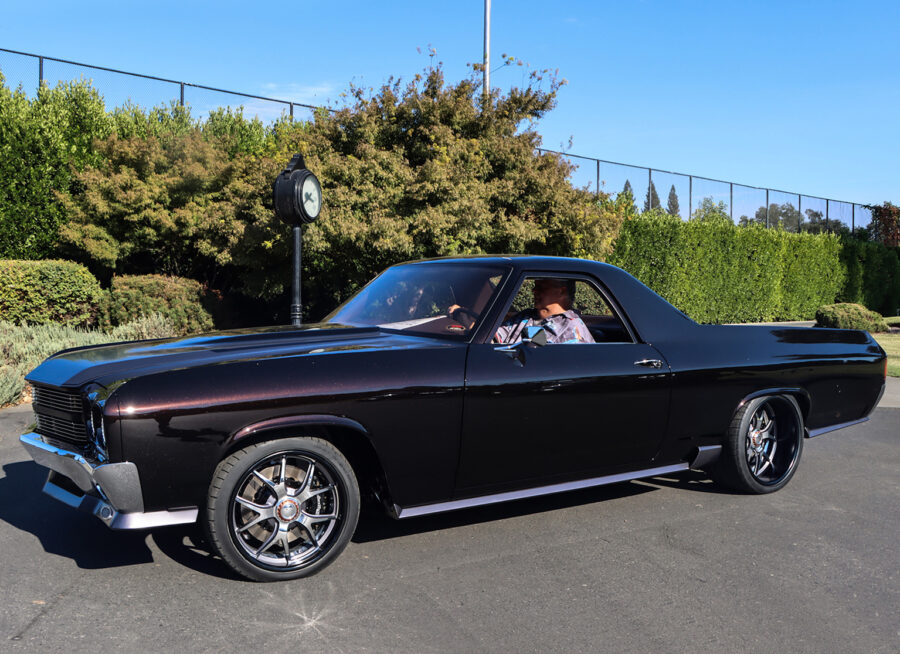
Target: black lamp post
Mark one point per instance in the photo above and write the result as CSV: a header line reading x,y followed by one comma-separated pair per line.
x,y
297,197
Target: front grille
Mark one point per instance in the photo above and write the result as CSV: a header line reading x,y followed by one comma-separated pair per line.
x,y
54,398
59,414
61,428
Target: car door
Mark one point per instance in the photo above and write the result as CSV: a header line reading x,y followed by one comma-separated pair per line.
x,y
562,411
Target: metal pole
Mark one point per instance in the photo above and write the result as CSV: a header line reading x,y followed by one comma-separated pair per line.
x,y
292,112
800,212
598,179
767,207
731,201
853,218
296,308
40,71
690,195
649,186
486,82
827,213
182,94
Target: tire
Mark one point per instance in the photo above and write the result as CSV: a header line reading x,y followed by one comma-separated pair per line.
x,y
762,446
271,520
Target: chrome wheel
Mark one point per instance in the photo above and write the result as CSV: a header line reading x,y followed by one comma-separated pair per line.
x,y
762,446
771,443
285,511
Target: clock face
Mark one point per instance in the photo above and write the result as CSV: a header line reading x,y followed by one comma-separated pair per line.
x,y
311,196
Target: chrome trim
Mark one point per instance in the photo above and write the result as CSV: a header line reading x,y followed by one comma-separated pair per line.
x,y
705,455
454,505
115,519
111,491
812,433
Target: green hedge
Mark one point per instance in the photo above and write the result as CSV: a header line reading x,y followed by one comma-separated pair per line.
x,y
873,276
850,316
718,272
178,299
40,292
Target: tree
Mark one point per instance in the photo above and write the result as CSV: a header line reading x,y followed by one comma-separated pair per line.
x,y
651,200
409,171
43,140
672,205
710,210
786,216
885,224
627,189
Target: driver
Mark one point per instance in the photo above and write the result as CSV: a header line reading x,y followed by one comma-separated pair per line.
x,y
552,311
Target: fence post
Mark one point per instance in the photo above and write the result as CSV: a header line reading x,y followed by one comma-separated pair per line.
x,y
181,101
731,199
40,72
853,218
292,112
598,178
767,208
649,186
827,214
690,195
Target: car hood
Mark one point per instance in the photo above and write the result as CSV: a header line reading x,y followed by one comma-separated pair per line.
x,y
105,364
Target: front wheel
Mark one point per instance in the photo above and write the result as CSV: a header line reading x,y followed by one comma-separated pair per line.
x,y
762,447
282,509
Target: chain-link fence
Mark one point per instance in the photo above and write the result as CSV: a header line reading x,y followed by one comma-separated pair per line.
x,y
677,193
689,195
118,87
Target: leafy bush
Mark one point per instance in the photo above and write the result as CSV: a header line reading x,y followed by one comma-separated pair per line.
x,y
872,276
850,316
40,292
23,347
42,140
717,272
425,169
178,300
146,327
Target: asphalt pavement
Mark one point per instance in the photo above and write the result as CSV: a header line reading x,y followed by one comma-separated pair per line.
x,y
669,564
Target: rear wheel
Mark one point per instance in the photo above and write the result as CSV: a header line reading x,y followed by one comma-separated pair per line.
x,y
282,509
762,446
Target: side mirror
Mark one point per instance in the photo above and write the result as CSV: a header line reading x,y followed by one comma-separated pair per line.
x,y
535,335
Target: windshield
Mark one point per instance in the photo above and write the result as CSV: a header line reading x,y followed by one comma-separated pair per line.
x,y
433,298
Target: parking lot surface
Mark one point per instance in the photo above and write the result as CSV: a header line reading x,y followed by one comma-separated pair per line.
x,y
669,564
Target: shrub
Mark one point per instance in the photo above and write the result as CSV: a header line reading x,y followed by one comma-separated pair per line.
x,y
23,347
39,292
850,316
717,272
153,326
177,299
872,275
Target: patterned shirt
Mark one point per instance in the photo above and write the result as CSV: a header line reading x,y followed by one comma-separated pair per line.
x,y
565,327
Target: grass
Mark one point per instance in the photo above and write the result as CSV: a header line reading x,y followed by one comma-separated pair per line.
x,y
891,345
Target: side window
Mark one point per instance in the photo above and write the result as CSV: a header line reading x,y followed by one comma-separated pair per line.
x,y
603,323
540,301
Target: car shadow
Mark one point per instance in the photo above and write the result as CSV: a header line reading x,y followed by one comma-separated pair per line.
x,y
375,525
692,480
62,530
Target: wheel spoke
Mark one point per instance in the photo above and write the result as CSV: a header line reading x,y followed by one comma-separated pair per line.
x,y
310,471
286,544
268,482
260,518
313,518
268,542
283,466
310,533
253,506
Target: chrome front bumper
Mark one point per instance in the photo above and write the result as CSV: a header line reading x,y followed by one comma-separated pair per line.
x,y
110,491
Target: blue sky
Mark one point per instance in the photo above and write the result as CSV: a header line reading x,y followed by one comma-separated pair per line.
x,y
799,96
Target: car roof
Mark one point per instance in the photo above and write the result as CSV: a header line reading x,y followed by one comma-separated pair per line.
x,y
517,261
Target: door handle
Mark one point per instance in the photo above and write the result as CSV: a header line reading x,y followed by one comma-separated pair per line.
x,y
649,363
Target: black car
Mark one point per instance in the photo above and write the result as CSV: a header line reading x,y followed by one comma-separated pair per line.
x,y
269,436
